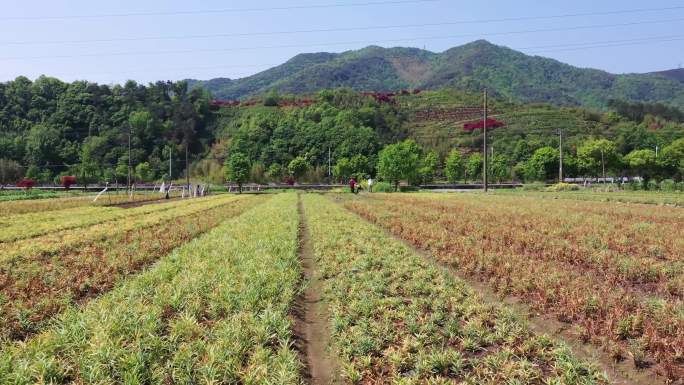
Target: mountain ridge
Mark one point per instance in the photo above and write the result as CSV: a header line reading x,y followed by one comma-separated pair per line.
x,y
506,72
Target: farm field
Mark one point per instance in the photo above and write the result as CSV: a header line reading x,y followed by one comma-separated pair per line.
x,y
43,276
31,224
645,197
11,207
613,273
213,311
215,290
397,318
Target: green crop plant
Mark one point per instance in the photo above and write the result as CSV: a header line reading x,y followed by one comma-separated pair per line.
x,y
595,265
215,310
398,318
37,287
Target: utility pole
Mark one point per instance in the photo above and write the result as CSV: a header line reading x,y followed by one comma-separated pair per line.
x,y
603,166
130,167
170,177
329,167
560,152
187,168
484,126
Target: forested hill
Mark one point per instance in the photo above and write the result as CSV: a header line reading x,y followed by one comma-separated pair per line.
x,y
508,73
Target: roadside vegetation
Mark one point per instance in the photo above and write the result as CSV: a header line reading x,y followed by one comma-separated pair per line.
x,y
615,272
397,318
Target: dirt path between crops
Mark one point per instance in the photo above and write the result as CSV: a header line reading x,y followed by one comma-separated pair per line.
x,y
311,325
619,373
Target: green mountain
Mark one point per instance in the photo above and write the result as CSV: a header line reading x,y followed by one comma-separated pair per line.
x,y
677,74
509,74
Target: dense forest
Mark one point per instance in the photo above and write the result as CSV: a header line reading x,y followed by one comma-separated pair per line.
x,y
49,128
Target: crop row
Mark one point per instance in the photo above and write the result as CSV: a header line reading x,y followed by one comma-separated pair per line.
x,y
215,311
645,197
61,241
639,246
619,281
398,319
33,224
49,204
36,289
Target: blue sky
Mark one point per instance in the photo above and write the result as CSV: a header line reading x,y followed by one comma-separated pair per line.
x,y
31,44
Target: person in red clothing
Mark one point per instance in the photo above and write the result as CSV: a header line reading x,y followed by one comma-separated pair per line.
x,y
352,185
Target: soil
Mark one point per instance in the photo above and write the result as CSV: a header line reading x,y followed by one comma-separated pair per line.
x,y
619,373
311,316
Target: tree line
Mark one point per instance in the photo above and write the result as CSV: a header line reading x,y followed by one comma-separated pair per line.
x,y
49,128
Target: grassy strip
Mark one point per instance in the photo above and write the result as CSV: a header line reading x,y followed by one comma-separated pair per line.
x,y
23,226
81,200
399,319
540,260
71,239
21,195
215,311
35,290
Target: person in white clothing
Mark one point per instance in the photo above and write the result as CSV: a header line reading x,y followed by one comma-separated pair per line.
x,y
370,184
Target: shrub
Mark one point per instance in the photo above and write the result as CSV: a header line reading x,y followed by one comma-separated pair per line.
x,y
409,188
26,183
652,185
533,187
563,187
668,185
382,187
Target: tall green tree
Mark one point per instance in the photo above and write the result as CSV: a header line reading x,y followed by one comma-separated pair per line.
x,y
455,167
143,172
596,155
298,167
237,169
643,163
474,166
429,167
543,165
400,161
88,170
343,169
672,158
499,169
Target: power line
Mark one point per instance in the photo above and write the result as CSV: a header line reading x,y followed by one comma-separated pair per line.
x,y
617,44
215,11
342,29
217,50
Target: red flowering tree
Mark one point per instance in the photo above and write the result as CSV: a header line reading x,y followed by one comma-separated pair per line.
x,y
26,184
491,123
68,181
